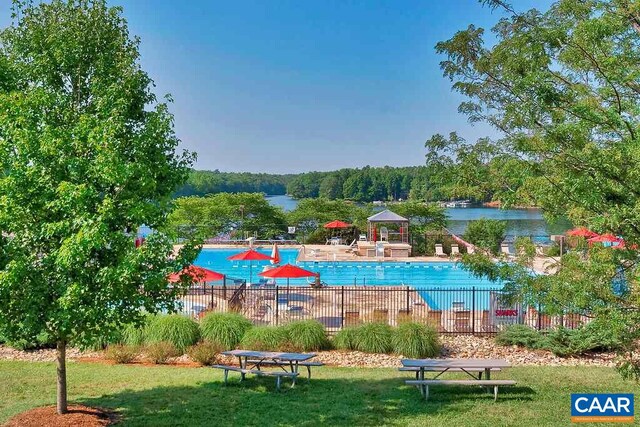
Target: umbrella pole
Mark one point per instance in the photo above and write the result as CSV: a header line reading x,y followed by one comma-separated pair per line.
x,y
287,289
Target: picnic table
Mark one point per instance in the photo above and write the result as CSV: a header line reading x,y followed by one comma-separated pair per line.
x,y
474,368
253,362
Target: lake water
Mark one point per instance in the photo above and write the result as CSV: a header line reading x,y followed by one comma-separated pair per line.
x,y
520,222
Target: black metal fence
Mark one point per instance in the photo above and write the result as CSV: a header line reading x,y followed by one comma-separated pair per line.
x,y
477,311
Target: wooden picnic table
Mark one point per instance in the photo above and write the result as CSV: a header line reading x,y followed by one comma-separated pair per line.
x,y
252,362
474,368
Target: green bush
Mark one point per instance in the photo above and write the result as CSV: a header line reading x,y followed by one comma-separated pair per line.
x,y
416,340
374,338
306,335
121,353
266,338
133,335
179,330
520,335
224,329
204,353
345,339
161,351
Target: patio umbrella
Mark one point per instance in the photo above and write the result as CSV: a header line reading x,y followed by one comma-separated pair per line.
x,y
250,255
605,238
288,271
581,232
275,255
337,224
198,274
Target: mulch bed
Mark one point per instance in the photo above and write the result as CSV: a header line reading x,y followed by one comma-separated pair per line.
x,y
78,416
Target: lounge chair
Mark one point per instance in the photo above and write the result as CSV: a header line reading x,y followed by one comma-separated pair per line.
x,y
351,318
404,315
380,315
462,321
504,248
362,238
455,250
471,249
439,250
434,319
384,234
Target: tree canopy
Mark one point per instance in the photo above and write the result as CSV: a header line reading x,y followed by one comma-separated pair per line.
x,y
88,155
562,87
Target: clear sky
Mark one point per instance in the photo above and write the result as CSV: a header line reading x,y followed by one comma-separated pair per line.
x,y
291,86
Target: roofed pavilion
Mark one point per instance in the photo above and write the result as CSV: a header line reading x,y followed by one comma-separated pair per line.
x,y
397,233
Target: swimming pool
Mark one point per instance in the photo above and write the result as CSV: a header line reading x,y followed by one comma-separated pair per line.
x,y
445,275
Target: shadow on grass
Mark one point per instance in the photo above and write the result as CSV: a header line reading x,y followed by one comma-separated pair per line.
x,y
323,401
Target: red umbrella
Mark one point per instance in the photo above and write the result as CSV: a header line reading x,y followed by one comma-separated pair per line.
x,y
605,238
582,232
288,271
275,255
198,274
250,255
337,224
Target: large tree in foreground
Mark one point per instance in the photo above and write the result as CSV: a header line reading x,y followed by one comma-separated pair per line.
x,y
563,88
87,155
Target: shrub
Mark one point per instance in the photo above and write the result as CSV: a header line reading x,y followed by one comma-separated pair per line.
x,y
416,340
374,338
345,339
306,335
520,335
179,330
121,353
205,353
224,329
268,338
133,335
161,351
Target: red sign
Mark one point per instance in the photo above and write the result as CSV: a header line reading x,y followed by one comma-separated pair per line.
x,y
506,313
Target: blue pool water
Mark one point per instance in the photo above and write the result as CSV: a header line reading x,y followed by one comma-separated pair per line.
x,y
448,275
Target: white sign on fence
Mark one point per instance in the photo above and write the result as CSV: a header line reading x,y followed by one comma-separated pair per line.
x,y
504,314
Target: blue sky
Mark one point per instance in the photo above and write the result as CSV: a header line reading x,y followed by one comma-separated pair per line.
x,y
291,86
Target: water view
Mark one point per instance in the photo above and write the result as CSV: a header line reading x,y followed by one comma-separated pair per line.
x,y
520,222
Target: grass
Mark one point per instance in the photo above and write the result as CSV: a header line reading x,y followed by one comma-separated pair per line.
x,y
168,395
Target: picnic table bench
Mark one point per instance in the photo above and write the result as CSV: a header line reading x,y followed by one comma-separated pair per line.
x,y
474,368
252,362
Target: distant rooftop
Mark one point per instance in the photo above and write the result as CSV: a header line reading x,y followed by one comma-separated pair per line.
x,y
386,216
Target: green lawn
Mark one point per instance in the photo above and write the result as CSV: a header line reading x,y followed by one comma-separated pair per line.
x,y
166,395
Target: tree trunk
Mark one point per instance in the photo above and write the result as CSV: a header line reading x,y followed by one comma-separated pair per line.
x,y
61,367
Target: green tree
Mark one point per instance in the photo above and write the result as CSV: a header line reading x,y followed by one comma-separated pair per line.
x,y
311,214
423,217
243,213
486,233
88,155
562,88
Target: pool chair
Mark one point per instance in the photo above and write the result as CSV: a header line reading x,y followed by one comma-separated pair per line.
x,y
404,315
455,250
380,315
504,248
462,321
384,234
362,238
439,250
471,249
434,319
351,318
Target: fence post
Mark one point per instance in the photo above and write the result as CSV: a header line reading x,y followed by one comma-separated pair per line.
x,y
342,308
539,322
224,288
408,287
277,305
212,300
473,310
